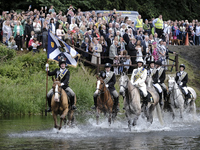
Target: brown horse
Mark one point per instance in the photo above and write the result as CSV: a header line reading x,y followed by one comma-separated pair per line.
x,y
104,101
60,104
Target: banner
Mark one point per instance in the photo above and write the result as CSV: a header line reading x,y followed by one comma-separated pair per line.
x,y
57,47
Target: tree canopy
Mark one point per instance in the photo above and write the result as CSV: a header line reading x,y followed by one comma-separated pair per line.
x,y
173,10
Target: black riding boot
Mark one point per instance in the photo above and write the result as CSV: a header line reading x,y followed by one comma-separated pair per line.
x,y
49,104
165,95
160,100
116,102
95,103
72,103
186,98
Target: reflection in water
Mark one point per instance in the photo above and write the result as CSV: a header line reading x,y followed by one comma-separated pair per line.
x,y
36,132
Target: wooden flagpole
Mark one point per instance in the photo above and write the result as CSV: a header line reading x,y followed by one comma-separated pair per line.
x,y
46,89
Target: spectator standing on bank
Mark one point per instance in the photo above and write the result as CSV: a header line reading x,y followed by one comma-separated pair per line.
x,y
139,22
27,32
158,24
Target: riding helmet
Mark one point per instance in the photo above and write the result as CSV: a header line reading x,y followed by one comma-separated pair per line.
x,y
158,63
182,65
107,65
62,60
140,60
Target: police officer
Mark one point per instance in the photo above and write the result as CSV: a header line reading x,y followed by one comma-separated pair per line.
x,y
182,79
64,74
109,80
138,78
153,72
161,79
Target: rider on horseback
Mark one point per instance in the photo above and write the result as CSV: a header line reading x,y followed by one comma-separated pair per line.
x,y
138,78
63,73
161,79
182,79
109,80
153,72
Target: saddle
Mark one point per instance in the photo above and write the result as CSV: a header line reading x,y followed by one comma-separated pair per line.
x,y
148,99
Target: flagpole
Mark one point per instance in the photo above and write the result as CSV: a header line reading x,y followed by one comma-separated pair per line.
x,y
46,89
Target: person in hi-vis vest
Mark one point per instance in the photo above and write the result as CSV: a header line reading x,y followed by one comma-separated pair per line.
x,y
138,23
158,24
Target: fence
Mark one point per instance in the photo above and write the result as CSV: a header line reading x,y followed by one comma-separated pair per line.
x,y
98,65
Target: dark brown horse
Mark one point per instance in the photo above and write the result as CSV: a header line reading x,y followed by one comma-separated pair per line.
x,y
104,101
60,104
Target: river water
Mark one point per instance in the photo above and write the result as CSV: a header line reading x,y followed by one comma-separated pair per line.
x,y
37,132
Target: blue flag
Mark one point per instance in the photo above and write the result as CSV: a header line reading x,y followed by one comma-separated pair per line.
x,y
57,48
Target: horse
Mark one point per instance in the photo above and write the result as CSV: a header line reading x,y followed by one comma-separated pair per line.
x,y
155,95
177,100
132,104
131,98
104,101
60,104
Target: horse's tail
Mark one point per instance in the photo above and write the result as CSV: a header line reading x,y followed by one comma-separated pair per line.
x,y
159,113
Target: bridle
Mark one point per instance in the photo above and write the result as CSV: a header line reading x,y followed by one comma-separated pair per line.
x,y
100,90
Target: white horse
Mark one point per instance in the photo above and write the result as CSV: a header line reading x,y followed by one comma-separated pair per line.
x,y
132,103
177,100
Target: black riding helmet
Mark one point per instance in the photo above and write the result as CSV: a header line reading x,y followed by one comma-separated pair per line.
x,y
182,65
158,63
107,65
62,60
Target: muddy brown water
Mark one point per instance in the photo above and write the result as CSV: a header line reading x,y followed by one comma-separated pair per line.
x,y
37,132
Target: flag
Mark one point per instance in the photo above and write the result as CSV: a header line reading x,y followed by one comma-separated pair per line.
x,y
57,48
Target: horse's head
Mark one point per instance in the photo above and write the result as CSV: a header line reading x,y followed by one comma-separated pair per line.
x,y
56,89
171,83
123,82
149,81
99,85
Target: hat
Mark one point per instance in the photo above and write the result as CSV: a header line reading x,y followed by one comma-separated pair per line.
x,y
182,65
158,63
153,43
140,60
107,65
160,40
62,60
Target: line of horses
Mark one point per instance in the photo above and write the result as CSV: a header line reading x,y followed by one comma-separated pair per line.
x,y
131,99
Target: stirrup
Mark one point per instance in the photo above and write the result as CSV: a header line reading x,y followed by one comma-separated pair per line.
x,y
49,109
151,100
93,107
73,107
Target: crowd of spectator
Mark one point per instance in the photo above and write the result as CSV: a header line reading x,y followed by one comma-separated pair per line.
x,y
108,36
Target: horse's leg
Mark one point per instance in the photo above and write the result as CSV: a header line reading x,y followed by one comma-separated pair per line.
x,y
109,118
63,117
97,116
135,120
129,125
181,111
55,119
150,114
70,117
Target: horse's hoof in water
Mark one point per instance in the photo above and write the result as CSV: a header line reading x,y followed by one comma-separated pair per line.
x,y
59,128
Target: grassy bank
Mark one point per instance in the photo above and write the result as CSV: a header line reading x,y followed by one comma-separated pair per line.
x,y
23,83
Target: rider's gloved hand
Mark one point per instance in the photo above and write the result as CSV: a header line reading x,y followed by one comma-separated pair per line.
x,y
62,84
47,67
107,85
181,84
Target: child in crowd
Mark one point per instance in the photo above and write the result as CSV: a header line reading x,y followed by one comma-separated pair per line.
x,y
122,59
12,43
18,41
127,62
35,45
155,51
116,62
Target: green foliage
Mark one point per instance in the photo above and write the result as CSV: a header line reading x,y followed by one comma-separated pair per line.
x,y
171,10
6,53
